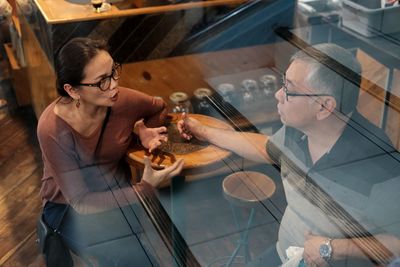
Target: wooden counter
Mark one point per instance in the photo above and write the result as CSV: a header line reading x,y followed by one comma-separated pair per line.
x,y
62,11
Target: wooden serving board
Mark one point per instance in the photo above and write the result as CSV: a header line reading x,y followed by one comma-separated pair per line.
x,y
200,158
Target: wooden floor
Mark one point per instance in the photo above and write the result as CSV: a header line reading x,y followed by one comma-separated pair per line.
x,y
20,173
21,169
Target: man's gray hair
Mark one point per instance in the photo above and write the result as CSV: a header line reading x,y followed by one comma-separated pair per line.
x,y
335,71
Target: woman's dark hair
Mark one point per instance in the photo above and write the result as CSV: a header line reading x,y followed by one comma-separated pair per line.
x,y
72,59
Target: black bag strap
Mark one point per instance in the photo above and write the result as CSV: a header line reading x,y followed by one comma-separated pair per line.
x,y
103,127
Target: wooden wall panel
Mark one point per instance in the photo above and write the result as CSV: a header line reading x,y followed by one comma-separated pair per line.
x,y
371,103
371,99
393,121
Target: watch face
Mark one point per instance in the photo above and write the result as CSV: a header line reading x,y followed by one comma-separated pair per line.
x,y
325,251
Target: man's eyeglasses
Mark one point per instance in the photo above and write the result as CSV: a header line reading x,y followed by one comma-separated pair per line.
x,y
104,84
288,93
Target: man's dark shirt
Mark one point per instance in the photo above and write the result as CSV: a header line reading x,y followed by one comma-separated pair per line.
x,y
324,197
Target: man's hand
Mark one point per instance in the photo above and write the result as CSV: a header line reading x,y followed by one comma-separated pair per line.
x,y
311,254
154,177
190,127
150,138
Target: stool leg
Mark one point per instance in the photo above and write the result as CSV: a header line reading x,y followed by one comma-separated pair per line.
x,y
247,256
243,241
235,216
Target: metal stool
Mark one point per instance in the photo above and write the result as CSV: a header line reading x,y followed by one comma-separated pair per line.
x,y
245,189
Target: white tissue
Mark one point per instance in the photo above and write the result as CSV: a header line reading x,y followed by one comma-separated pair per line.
x,y
294,255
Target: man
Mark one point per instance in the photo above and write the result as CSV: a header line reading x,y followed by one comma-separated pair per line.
x,y
330,157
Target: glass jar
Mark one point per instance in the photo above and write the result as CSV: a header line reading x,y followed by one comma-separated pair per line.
x,y
268,84
180,103
200,102
227,92
249,90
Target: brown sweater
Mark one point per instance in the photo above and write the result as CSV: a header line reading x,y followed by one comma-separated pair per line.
x,y
72,174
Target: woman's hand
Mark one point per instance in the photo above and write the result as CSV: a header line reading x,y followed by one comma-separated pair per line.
x,y
150,138
154,177
190,127
311,254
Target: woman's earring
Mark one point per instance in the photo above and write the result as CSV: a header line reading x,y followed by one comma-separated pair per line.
x,y
77,103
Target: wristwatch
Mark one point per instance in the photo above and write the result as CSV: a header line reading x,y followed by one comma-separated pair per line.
x,y
325,250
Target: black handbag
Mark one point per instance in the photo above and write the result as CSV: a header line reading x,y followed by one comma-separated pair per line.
x,y
51,245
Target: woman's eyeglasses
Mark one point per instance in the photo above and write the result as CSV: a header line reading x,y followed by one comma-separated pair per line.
x,y
104,84
288,93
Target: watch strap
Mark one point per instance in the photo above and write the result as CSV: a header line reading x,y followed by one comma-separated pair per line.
x,y
328,242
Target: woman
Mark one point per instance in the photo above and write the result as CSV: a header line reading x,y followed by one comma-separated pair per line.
x,y
83,136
